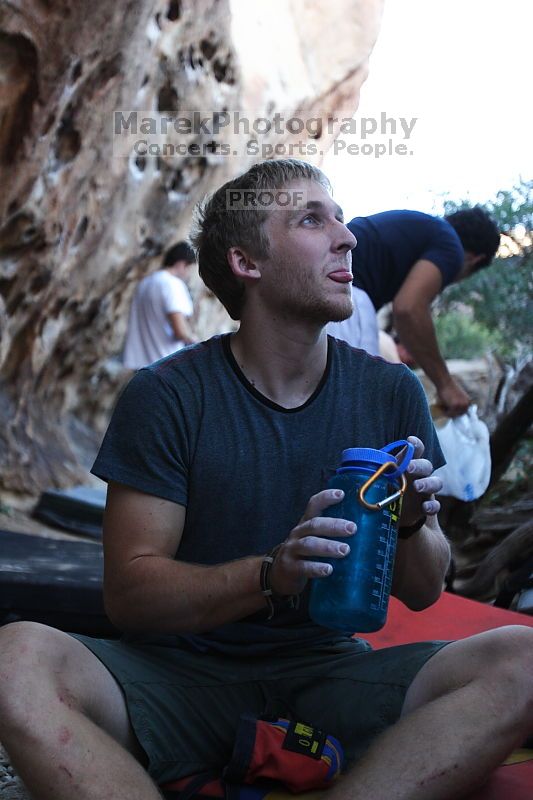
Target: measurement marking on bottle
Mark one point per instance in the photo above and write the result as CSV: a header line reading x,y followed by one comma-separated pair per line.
x,y
385,567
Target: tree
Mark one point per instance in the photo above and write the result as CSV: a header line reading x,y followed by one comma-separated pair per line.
x,y
499,299
492,310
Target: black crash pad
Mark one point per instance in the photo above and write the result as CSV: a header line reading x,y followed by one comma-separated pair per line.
x,y
53,581
79,509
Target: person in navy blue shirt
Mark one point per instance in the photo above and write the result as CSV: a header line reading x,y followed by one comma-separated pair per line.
x,y
407,258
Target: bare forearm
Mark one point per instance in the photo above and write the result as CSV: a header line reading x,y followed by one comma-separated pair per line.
x,y
417,332
161,595
185,335
181,328
421,565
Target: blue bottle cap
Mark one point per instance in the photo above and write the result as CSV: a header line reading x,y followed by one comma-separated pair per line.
x,y
368,455
372,459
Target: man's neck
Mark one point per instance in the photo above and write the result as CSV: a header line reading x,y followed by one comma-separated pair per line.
x,y
285,365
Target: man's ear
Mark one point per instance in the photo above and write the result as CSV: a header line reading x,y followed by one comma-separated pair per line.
x,y
243,265
474,258
469,265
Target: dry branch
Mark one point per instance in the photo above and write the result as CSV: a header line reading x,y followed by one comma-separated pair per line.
x,y
517,546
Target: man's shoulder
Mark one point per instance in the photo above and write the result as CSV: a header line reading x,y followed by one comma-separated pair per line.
x,y
361,361
152,283
404,219
195,358
162,277
436,229
379,381
395,216
154,277
180,379
430,237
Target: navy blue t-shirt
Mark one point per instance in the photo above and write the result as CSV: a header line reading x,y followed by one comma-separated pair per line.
x,y
389,245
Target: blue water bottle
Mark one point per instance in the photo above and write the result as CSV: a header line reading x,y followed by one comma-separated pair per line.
x,y
355,596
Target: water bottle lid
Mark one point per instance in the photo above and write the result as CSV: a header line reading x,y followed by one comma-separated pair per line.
x,y
356,455
371,458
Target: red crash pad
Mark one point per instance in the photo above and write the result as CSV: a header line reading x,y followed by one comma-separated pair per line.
x,y
451,617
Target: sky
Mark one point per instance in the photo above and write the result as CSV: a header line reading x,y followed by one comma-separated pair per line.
x,y
462,70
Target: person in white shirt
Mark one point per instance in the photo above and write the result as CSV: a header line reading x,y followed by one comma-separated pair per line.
x,y
361,329
158,323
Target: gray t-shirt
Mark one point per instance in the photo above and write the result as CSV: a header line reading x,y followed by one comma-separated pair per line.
x,y
191,429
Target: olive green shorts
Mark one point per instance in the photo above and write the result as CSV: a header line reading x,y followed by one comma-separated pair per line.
x,y
185,706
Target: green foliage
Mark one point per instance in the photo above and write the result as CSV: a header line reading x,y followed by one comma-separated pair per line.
x,y
6,510
460,336
510,208
499,299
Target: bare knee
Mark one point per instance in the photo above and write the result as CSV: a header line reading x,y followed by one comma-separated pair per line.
x,y
44,671
27,646
501,650
32,659
501,658
508,657
30,644
505,669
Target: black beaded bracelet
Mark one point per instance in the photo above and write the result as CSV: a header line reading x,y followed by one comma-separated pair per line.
x,y
406,531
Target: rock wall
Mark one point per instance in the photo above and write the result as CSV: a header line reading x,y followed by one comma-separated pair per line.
x,y
82,220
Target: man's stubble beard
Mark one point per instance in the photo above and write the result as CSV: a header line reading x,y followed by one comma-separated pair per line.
x,y
302,303
302,299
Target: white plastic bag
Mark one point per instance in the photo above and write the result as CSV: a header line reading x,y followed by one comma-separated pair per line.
x,y
465,444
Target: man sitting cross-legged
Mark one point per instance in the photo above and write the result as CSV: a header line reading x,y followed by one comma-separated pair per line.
x,y
215,455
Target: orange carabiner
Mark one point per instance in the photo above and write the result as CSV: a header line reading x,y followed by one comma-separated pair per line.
x,y
388,500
